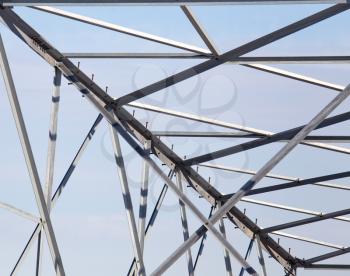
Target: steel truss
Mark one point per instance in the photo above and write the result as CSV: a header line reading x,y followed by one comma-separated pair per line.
x,y
148,145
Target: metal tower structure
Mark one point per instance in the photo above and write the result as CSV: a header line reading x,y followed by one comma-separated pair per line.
x,y
160,158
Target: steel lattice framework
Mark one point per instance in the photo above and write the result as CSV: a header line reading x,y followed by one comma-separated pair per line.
x,y
148,145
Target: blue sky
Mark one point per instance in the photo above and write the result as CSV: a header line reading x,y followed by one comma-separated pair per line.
x,y
89,218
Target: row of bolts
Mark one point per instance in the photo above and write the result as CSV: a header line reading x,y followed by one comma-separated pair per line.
x,y
172,148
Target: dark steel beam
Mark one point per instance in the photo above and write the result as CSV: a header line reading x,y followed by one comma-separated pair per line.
x,y
249,249
292,59
239,60
294,184
135,55
284,135
328,266
325,256
246,135
305,221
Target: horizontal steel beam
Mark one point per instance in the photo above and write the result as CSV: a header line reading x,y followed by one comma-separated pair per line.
x,y
239,60
291,209
136,55
308,240
164,2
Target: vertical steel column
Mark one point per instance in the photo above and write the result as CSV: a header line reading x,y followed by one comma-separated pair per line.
x,y
184,223
50,164
226,253
29,158
143,198
153,217
260,255
127,201
52,137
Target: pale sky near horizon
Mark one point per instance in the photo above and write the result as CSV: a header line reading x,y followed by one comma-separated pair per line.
x,y
89,218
